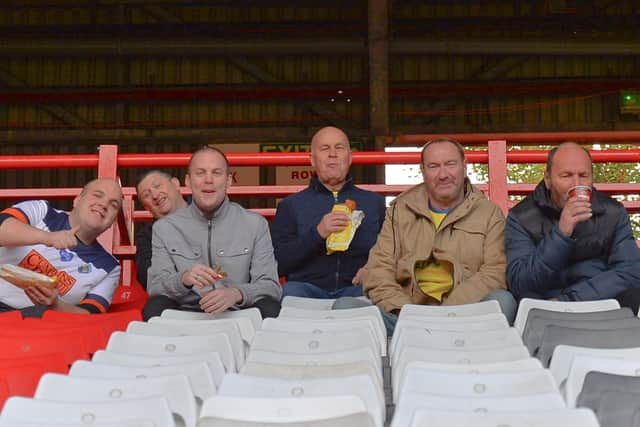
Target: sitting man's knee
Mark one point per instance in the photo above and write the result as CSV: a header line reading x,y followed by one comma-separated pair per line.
x,y
508,304
346,303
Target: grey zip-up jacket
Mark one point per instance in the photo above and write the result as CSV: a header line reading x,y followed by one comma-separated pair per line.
x,y
235,239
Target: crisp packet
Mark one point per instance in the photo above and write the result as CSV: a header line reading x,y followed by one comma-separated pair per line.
x,y
339,241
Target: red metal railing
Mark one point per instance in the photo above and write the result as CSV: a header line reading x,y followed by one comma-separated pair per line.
x,y
119,239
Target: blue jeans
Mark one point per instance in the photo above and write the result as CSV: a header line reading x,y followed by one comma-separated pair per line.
x,y
389,319
508,304
308,290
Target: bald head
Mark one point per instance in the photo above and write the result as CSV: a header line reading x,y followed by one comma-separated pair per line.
x,y
96,208
568,165
331,157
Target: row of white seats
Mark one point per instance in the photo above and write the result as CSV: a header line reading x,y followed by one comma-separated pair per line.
x,y
322,337
468,361
196,360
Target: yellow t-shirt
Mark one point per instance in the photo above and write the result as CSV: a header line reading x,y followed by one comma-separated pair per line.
x,y
434,277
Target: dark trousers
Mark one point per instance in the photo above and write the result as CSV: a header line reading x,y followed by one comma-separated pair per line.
x,y
630,298
268,307
31,311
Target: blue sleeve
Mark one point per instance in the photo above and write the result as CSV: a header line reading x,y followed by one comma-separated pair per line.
x,y
531,268
623,272
292,250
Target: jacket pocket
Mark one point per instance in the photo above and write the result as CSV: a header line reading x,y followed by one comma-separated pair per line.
x,y
184,256
469,239
235,261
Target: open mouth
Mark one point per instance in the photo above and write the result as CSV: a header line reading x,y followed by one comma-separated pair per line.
x,y
98,212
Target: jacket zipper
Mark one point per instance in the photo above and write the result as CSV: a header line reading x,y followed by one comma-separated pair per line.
x,y
337,275
209,227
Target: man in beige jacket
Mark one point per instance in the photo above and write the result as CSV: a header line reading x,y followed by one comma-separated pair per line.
x,y
442,242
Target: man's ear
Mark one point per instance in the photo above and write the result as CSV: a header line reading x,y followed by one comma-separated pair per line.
x,y
547,179
187,181
176,182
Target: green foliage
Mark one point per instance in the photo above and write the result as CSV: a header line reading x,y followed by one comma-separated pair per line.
x,y
531,173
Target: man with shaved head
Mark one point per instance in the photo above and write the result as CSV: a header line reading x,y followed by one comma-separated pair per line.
x,y
305,220
564,246
63,246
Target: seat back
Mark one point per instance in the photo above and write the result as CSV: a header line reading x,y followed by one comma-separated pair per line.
x,y
212,360
556,418
199,374
210,328
253,314
412,402
527,304
175,388
146,345
155,410
462,310
445,340
398,373
605,338
532,337
359,385
336,411
563,356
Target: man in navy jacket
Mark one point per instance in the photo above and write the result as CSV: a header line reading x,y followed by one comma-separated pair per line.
x,y
304,221
571,249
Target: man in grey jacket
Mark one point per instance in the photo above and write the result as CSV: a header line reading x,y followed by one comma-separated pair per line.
x,y
212,255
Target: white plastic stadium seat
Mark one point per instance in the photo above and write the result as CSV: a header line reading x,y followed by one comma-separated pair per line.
x,y
297,372
244,324
556,418
329,411
479,308
445,340
208,328
582,365
464,357
527,304
176,389
398,373
362,355
154,409
360,385
212,360
412,402
326,325
253,314
128,423
146,345
370,312
198,373
563,356
312,343
500,384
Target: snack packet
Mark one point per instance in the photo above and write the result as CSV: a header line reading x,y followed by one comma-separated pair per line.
x,y
339,241
23,278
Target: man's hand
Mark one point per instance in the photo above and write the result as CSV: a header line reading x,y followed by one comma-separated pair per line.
x,y
357,279
42,295
332,222
200,276
62,239
219,300
575,211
